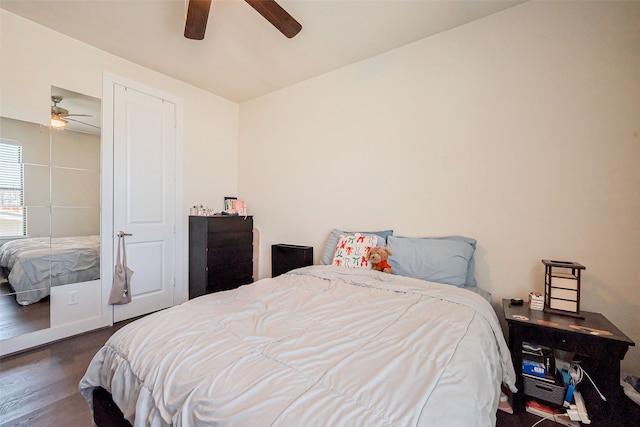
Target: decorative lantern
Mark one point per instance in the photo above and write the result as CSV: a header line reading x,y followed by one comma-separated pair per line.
x,y
562,287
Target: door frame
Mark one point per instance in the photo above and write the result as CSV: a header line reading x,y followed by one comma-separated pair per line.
x,y
109,81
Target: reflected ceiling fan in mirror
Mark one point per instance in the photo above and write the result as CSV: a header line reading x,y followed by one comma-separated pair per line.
x,y
198,15
60,115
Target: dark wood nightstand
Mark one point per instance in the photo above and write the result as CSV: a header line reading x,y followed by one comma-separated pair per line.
x,y
600,353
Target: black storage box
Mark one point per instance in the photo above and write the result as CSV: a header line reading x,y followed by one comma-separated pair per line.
x,y
288,257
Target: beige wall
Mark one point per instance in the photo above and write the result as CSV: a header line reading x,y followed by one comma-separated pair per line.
x,y
520,130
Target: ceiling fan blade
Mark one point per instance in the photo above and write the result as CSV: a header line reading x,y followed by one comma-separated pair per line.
x,y
278,17
83,123
197,16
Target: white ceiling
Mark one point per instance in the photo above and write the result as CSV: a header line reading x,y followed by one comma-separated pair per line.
x,y
242,55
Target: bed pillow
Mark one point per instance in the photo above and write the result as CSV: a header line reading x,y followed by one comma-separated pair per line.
x,y
332,241
470,281
352,249
442,260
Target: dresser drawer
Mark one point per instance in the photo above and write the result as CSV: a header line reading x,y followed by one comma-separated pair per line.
x,y
230,240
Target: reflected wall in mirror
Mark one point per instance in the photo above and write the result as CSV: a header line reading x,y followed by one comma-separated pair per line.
x,y
49,212
25,206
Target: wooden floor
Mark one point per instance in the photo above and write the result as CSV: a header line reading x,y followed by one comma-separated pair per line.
x,y
39,387
16,319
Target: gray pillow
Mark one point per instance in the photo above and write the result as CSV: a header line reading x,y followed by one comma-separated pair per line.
x,y
470,281
436,259
334,236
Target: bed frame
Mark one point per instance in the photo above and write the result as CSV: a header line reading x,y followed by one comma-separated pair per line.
x,y
105,412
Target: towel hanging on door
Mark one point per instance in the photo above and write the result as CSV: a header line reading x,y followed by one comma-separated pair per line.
x,y
121,288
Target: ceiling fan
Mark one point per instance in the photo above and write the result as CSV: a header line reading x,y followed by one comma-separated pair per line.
x,y
198,14
60,115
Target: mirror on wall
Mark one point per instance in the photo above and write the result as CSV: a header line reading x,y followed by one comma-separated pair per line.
x,y
49,211
24,211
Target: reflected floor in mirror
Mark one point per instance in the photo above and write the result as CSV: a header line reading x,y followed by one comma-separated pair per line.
x,y
16,319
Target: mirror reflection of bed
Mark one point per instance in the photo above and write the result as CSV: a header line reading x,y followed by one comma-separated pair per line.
x,y
49,216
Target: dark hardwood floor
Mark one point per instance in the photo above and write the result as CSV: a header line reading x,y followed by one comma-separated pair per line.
x,y
16,319
39,387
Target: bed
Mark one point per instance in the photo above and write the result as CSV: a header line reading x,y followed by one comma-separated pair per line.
x,y
33,265
320,345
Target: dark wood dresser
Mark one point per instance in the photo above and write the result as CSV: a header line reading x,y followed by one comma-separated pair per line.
x,y
220,253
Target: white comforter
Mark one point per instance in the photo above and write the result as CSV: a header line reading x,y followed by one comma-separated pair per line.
x,y
320,346
37,263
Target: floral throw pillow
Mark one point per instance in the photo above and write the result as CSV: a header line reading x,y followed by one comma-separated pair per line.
x,y
352,249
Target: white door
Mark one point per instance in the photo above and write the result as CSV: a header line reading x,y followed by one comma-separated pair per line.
x,y
144,197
